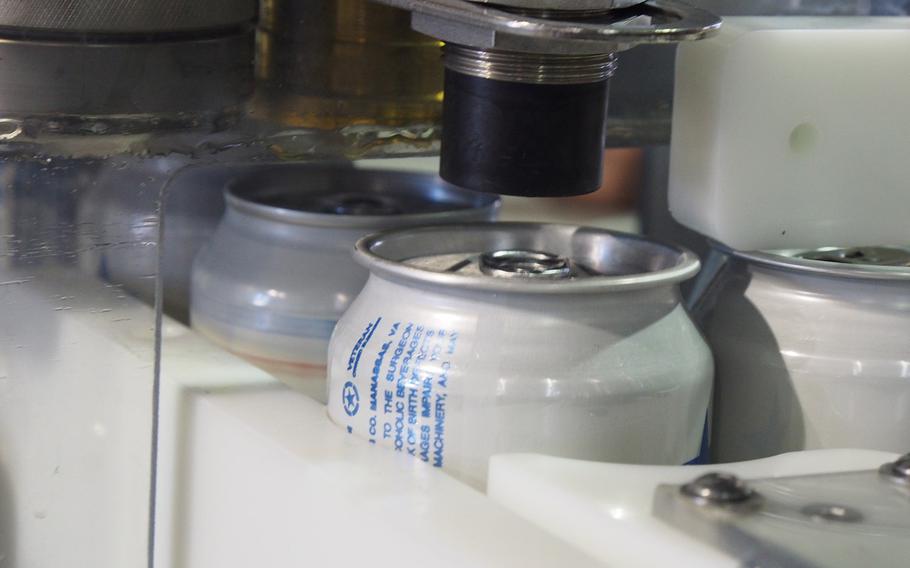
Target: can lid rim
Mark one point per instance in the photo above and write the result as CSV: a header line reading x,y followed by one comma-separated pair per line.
x,y
474,205
686,263
786,260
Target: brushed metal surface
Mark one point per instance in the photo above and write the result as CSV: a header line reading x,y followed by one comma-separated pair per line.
x,y
130,78
125,16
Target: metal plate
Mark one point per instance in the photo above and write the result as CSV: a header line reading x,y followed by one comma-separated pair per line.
x,y
567,5
83,78
476,25
830,520
125,16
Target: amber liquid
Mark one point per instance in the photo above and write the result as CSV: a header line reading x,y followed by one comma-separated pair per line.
x,y
330,64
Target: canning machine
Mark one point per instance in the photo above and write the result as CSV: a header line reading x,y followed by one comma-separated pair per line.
x,y
194,193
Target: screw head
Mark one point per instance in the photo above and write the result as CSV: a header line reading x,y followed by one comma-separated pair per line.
x,y
718,489
898,470
834,513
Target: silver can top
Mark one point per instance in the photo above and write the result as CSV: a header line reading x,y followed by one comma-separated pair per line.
x,y
869,256
505,263
525,258
872,262
345,197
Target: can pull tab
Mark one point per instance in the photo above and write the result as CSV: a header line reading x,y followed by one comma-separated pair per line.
x,y
525,264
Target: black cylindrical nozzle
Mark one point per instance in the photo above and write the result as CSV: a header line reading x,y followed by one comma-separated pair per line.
x,y
523,138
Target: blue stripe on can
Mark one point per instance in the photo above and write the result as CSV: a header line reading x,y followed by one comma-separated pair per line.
x,y
264,320
704,454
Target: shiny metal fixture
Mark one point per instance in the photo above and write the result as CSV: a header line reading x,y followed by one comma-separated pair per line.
x,y
483,26
898,471
525,264
526,84
97,67
719,489
124,17
825,519
529,68
596,6
164,78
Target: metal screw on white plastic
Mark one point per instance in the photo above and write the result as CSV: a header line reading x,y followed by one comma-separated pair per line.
x,y
720,490
898,471
835,513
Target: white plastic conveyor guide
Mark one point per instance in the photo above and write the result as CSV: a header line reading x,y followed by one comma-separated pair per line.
x,y
254,474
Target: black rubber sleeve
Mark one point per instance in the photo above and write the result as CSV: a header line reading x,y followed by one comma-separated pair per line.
x,y
523,139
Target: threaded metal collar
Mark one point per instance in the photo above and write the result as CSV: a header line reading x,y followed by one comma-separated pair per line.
x,y
529,67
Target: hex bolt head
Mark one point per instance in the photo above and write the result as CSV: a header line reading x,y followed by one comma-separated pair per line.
x,y
718,489
898,471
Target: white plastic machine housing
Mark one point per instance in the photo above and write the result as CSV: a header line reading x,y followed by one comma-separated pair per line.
x,y
250,473
792,132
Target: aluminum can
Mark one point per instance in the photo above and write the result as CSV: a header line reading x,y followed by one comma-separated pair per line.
x,y
812,350
278,273
473,340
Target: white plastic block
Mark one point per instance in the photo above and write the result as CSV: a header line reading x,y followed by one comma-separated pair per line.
x,y
76,370
793,132
251,473
266,480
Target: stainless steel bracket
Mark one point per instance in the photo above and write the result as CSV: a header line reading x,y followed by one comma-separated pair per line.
x,y
483,26
813,521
